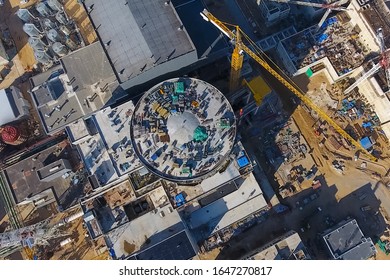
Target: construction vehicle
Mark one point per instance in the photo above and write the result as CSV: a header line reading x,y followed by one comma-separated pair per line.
x,y
335,6
383,63
257,55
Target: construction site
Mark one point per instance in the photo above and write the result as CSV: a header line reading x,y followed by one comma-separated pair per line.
x,y
163,155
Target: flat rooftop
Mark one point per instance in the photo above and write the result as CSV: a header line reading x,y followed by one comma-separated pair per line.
x,y
97,160
53,169
146,231
286,247
114,128
140,35
84,84
233,207
90,73
183,129
231,172
348,242
10,110
25,183
78,131
176,247
338,40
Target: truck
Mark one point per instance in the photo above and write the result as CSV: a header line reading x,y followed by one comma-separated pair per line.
x,y
316,184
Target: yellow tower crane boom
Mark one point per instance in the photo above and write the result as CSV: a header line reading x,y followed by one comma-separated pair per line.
x,y
240,47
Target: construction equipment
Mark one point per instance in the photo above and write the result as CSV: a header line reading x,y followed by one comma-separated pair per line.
x,y
37,234
335,6
383,63
236,64
240,48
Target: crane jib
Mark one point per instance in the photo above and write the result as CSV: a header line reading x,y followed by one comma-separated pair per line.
x,y
239,45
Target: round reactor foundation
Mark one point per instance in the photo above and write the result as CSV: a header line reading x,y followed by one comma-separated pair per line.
x,y
183,130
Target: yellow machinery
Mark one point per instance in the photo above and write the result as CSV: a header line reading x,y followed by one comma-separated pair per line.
x,y
29,252
236,65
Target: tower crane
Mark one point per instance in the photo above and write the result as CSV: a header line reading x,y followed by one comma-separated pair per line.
x,y
383,63
30,236
335,6
240,48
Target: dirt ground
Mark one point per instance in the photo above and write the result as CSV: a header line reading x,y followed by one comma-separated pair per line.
x,y
79,15
81,247
24,60
341,196
381,255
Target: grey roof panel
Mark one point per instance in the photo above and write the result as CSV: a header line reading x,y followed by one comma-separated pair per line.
x,y
344,238
177,247
140,34
93,85
347,242
88,66
43,77
362,251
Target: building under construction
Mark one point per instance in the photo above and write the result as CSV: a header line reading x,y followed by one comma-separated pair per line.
x,y
349,49
183,129
336,46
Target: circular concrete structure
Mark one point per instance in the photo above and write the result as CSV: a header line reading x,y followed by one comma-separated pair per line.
x,y
183,130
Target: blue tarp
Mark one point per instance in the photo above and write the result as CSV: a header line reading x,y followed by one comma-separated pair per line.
x,y
112,253
179,199
242,161
367,124
347,105
366,143
322,38
329,22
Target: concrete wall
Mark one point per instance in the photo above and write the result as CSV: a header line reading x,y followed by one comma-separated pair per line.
x,y
161,69
367,34
284,57
273,17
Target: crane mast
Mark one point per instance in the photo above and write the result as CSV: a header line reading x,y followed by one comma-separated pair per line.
x,y
241,47
236,64
384,59
383,63
334,6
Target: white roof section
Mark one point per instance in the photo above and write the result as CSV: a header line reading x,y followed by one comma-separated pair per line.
x,y
78,131
97,160
114,127
218,179
386,129
154,226
371,90
7,113
247,199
